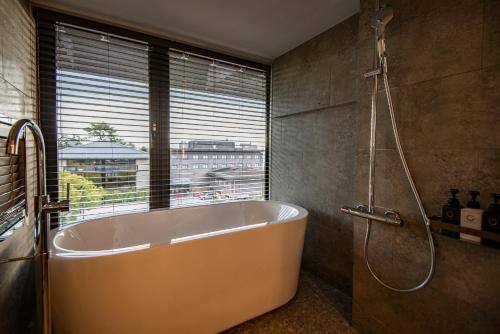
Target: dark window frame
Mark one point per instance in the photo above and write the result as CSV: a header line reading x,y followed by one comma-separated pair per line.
x,y
159,98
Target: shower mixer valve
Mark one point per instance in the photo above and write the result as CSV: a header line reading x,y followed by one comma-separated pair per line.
x,y
387,216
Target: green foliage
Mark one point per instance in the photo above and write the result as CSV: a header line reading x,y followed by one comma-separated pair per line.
x,y
126,195
102,131
105,132
97,131
81,187
83,193
66,140
86,194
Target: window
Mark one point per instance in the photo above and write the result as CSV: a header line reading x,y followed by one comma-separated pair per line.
x,y
102,112
218,106
127,115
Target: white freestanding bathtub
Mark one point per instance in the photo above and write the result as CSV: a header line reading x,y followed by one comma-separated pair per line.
x,y
191,270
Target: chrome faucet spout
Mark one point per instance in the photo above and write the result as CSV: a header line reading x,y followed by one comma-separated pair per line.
x,y
16,132
43,208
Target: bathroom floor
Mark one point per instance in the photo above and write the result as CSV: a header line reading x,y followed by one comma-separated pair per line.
x,y
317,308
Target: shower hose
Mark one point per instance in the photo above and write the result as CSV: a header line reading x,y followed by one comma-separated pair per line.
x,y
383,66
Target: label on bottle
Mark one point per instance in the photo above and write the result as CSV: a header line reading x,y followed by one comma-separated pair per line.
x,y
471,218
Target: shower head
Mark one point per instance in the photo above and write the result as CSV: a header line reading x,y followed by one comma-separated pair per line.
x,y
380,19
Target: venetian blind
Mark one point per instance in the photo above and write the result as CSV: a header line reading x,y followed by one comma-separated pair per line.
x,y
102,123
217,132
134,124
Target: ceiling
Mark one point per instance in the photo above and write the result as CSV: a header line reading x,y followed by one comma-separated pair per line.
x,y
259,30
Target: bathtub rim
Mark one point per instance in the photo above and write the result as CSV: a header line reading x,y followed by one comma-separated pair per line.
x,y
57,251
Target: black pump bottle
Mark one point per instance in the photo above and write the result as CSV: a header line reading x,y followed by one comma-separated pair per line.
x,y
451,213
491,221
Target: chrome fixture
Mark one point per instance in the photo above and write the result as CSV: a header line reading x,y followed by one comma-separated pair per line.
x,y
43,208
379,22
388,217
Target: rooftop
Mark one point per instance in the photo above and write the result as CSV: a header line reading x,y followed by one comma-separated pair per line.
x,y
102,150
217,145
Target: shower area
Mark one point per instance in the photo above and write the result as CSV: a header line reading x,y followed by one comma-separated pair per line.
x,y
441,73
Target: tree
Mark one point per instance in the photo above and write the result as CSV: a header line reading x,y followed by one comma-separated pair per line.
x,y
73,140
102,131
83,193
105,132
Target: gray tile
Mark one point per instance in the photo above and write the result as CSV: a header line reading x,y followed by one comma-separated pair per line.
x,y
410,9
328,253
315,145
343,80
2,33
474,268
444,42
457,111
12,101
487,179
437,171
491,37
18,47
334,40
365,323
319,73
385,134
16,70
302,87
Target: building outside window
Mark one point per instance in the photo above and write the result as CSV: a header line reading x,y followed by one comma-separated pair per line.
x,y
102,142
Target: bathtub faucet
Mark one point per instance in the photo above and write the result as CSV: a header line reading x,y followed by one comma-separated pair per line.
x,y
43,208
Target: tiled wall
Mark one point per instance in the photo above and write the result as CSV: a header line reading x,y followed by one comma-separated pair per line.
x,y
17,100
444,67
314,144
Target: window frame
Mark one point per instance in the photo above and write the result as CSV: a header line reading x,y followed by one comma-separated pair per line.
x,y
159,97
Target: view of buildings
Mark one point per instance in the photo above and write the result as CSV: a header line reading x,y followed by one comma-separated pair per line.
x,y
201,172
215,170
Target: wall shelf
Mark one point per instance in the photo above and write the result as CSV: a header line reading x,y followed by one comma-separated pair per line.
x,y
437,226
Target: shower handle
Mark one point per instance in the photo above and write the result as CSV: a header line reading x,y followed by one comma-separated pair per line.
x,y
388,217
